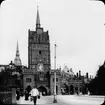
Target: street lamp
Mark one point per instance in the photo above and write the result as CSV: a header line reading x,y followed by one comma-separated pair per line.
x,y
55,100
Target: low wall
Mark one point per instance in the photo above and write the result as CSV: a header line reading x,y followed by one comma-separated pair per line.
x,y
6,97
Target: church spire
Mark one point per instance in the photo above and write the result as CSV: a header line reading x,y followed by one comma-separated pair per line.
x,y
17,60
17,50
37,19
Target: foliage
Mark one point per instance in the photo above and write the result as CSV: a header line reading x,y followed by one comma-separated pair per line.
x,y
97,85
8,73
4,75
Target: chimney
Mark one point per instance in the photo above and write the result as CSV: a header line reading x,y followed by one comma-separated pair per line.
x,y
79,73
86,75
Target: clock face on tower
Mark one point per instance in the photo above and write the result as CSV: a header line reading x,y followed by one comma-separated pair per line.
x,y
39,31
40,67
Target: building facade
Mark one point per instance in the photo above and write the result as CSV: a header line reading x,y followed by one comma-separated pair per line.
x,y
38,72
69,83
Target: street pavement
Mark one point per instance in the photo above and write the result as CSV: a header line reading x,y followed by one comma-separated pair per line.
x,y
66,100
81,100
44,100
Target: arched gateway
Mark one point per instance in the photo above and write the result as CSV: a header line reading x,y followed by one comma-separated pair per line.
x,y
71,89
64,89
42,90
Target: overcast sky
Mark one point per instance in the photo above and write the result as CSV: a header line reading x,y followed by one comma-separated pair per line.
x,y
77,27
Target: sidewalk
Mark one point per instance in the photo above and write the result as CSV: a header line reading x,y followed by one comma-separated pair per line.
x,y
44,100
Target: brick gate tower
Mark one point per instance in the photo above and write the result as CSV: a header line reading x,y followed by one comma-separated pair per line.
x,y
39,56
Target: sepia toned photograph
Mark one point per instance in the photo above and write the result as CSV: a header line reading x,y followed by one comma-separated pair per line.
x,y
52,52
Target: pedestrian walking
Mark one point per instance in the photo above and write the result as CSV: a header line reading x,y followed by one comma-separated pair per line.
x,y
26,95
34,93
17,94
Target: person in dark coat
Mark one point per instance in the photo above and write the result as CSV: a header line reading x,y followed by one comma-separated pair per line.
x,y
18,94
26,95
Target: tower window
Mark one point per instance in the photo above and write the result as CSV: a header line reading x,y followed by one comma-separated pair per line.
x,y
57,79
28,79
53,79
40,52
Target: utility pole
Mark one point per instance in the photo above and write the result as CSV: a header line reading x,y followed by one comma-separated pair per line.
x,y
55,98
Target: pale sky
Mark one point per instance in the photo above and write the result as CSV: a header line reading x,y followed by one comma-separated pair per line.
x,y
77,27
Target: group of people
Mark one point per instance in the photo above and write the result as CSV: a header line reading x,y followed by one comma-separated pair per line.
x,y
34,94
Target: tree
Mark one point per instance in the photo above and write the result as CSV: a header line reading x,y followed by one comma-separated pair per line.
x,y
4,75
100,78
97,86
92,86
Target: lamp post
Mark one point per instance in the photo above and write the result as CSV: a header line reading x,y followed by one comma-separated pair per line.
x,y
55,100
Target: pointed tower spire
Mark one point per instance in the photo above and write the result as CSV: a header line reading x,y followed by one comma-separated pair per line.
x,y
17,50
37,19
17,60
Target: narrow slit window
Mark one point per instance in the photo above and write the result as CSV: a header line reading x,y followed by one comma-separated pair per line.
x,y
40,52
